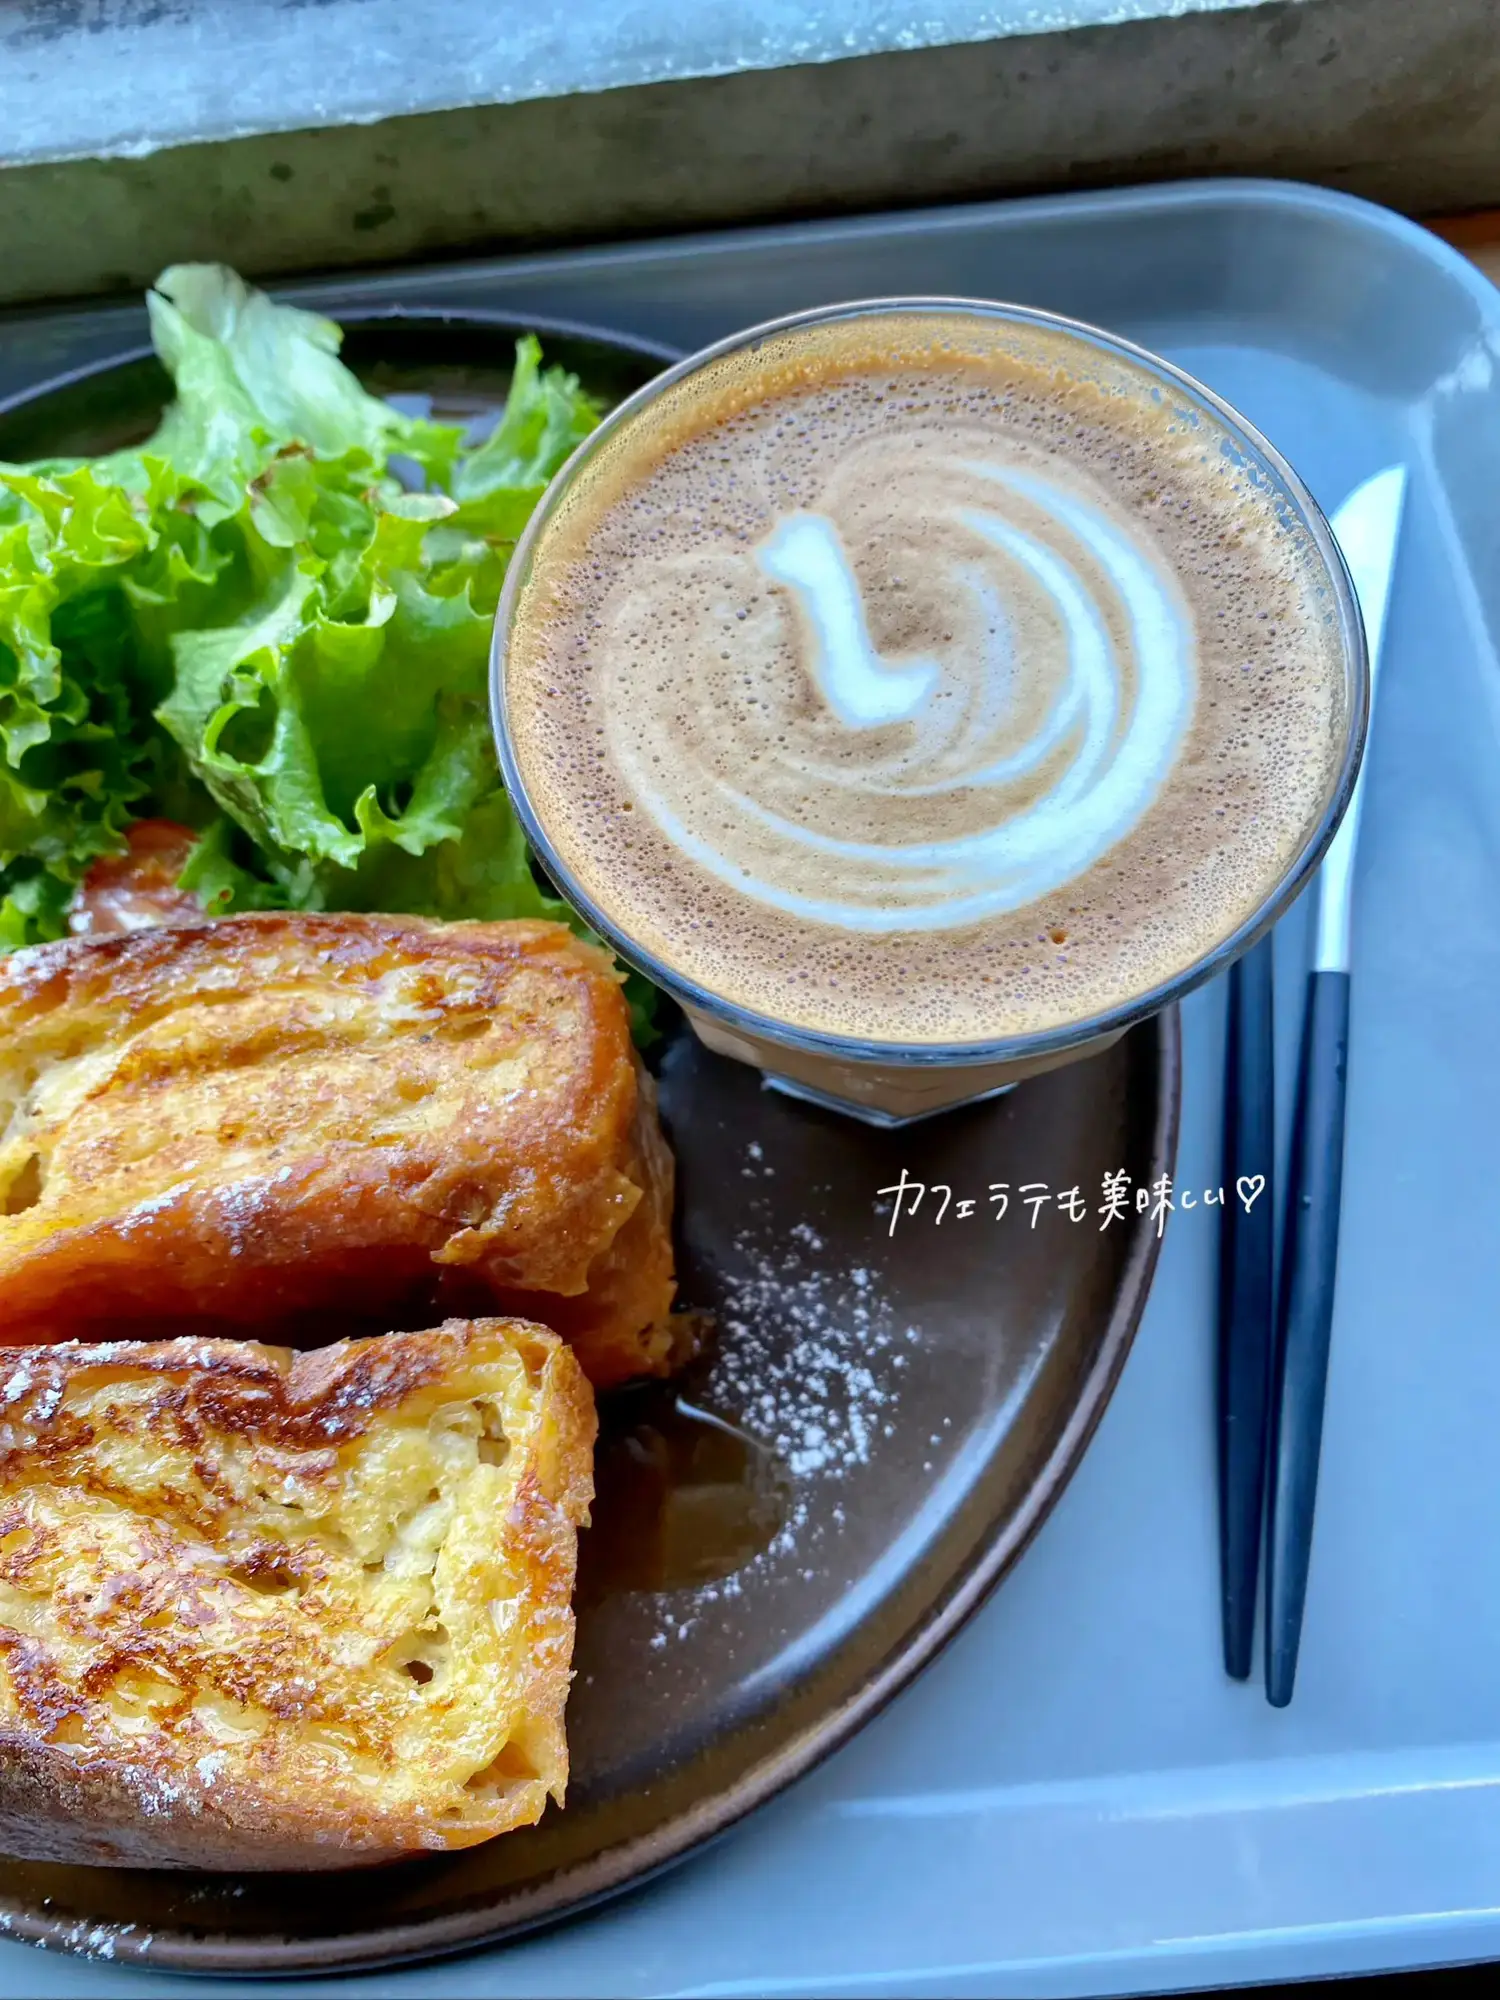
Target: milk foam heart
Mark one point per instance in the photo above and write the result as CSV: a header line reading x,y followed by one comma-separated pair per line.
x,y
925,679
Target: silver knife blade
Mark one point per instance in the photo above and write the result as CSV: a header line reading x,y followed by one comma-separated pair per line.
x,y
1366,528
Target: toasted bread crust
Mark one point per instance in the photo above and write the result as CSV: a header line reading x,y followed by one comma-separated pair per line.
x,y
266,1610
267,1119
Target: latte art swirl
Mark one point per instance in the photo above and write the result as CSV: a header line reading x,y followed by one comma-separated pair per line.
x,y
966,683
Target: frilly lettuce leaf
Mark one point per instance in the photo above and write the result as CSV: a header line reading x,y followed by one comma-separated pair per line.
x,y
546,416
219,882
250,373
253,623
73,765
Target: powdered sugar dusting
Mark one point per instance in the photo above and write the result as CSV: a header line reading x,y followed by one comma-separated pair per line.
x,y
156,1796
88,1940
17,1383
809,1354
93,1940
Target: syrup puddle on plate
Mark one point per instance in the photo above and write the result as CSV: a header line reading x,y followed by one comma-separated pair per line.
x,y
682,1497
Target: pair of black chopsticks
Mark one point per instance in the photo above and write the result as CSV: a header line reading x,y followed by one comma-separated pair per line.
x,y
1273,1347
1274,1340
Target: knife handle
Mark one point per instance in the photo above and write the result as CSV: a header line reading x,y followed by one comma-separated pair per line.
x,y
1247,1303
1309,1268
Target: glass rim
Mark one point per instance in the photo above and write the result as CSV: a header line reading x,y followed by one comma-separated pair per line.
x,y
1027,1043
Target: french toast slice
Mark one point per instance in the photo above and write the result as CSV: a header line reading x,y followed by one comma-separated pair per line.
x,y
271,1610
259,1122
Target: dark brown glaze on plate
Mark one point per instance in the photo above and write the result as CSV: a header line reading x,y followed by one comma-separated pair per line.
x,y
780,1544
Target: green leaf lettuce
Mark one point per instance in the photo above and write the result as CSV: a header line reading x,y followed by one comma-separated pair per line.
x,y
253,622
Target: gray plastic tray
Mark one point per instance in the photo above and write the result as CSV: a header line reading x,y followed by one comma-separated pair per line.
x,y
1074,1799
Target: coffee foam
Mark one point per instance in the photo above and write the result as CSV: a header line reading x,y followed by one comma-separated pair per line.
x,y
925,679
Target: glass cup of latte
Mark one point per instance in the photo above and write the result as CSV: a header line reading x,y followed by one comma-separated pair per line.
x,y
923,691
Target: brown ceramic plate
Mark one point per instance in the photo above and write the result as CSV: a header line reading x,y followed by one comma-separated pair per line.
x,y
885,1419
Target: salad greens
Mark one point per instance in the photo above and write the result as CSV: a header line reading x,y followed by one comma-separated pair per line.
x,y
270,621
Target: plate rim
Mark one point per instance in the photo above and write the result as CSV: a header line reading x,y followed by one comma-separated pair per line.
x,y
631,1863
546,326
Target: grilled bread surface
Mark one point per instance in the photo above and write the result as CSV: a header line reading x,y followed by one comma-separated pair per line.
x,y
261,1121
271,1610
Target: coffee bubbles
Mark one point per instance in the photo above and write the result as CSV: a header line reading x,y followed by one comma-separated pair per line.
x,y
923,679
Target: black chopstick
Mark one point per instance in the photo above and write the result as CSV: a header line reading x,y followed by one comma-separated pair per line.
x,y
1309,1268
1246,1298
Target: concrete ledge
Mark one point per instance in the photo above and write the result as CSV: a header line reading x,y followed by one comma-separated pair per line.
x,y
122,78
1398,100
